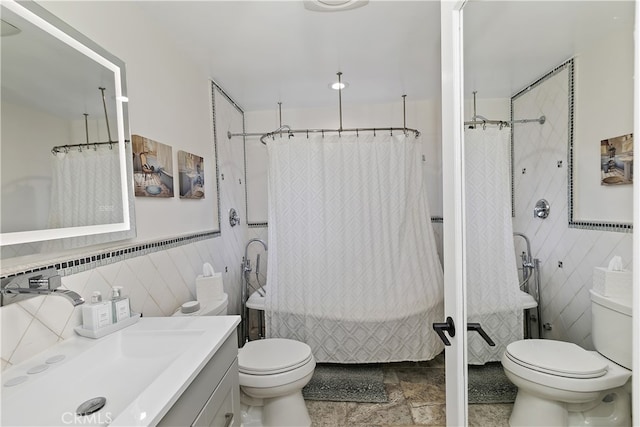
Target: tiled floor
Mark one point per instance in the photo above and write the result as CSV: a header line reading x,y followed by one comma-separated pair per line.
x,y
416,398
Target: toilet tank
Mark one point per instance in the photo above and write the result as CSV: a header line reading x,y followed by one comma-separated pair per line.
x,y
611,328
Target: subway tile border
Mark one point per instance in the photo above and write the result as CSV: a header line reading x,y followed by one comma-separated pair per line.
x,y
573,223
98,258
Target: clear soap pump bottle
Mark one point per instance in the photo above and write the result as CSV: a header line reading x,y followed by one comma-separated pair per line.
x,y
120,305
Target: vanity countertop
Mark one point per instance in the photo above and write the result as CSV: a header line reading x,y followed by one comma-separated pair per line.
x,y
141,370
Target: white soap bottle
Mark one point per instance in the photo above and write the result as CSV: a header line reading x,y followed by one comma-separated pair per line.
x,y
98,314
121,307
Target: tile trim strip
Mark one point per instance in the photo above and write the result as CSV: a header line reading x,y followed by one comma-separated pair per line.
x,y
433,219
98,258
572,222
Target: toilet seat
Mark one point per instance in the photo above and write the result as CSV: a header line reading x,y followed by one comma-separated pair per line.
x,y
557,358
273,356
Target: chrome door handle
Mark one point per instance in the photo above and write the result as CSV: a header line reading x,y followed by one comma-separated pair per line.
x,y
476,327
448,327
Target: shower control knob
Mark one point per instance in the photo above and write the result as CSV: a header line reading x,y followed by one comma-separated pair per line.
x,y
541,209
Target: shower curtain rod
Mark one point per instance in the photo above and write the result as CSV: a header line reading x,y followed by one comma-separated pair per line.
x,y
285,129
480,120
65,148
290,132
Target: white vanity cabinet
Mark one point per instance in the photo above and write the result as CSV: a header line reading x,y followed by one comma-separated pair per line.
x,y
213,397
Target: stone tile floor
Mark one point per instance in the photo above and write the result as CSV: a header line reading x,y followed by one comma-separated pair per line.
x,y
416,398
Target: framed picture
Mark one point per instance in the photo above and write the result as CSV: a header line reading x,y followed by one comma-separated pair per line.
x,y
616,160
191,175
152,167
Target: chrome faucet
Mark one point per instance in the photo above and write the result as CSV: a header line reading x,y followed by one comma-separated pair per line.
x,y
247,261
247,265
45,282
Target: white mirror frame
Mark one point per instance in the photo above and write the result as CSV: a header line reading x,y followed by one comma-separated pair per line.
x,y
24,10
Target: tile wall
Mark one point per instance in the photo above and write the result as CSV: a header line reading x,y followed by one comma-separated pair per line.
x,y
567,255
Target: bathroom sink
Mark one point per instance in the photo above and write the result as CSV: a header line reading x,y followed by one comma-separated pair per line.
x,y
140,370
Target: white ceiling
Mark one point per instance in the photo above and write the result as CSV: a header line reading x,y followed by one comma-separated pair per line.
x,y
262,52
510,44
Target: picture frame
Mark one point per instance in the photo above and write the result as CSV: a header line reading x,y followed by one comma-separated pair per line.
x,y
152,167
190,175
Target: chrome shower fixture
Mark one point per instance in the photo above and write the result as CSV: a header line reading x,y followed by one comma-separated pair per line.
x,y
541,210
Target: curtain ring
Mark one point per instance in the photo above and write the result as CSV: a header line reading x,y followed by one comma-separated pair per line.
x,y
66,149
54,151
323,133
391,131
374,131
110,146
307,133
357,134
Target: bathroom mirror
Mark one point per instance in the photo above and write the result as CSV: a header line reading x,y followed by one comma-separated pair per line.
x,y
542,36
66,169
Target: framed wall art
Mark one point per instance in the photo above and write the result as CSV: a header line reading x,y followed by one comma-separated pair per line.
x,y
152,167
190,175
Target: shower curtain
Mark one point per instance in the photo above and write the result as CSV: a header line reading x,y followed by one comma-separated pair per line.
x,y
353,269
85,190
492,276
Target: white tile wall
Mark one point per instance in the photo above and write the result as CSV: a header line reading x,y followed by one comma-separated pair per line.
x,y
156,283
537,149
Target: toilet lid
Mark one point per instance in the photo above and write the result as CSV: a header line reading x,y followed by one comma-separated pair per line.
x,y
272,356
559,358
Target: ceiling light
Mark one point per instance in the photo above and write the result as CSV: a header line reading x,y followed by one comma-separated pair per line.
x,y
333,5
339,85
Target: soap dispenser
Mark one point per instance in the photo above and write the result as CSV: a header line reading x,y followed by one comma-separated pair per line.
x,y
121,307
98,314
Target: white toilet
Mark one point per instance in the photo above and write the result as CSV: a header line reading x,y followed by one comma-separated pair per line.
x,y
272,374
561,384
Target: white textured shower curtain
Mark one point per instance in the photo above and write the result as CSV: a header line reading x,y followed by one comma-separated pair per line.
x,y
85,190
353,269
492,275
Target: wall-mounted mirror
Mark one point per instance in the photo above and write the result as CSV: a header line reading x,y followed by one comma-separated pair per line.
x,y
509,46
65,169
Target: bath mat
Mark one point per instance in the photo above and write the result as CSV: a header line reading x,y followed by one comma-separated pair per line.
x,y
347,383
489,384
